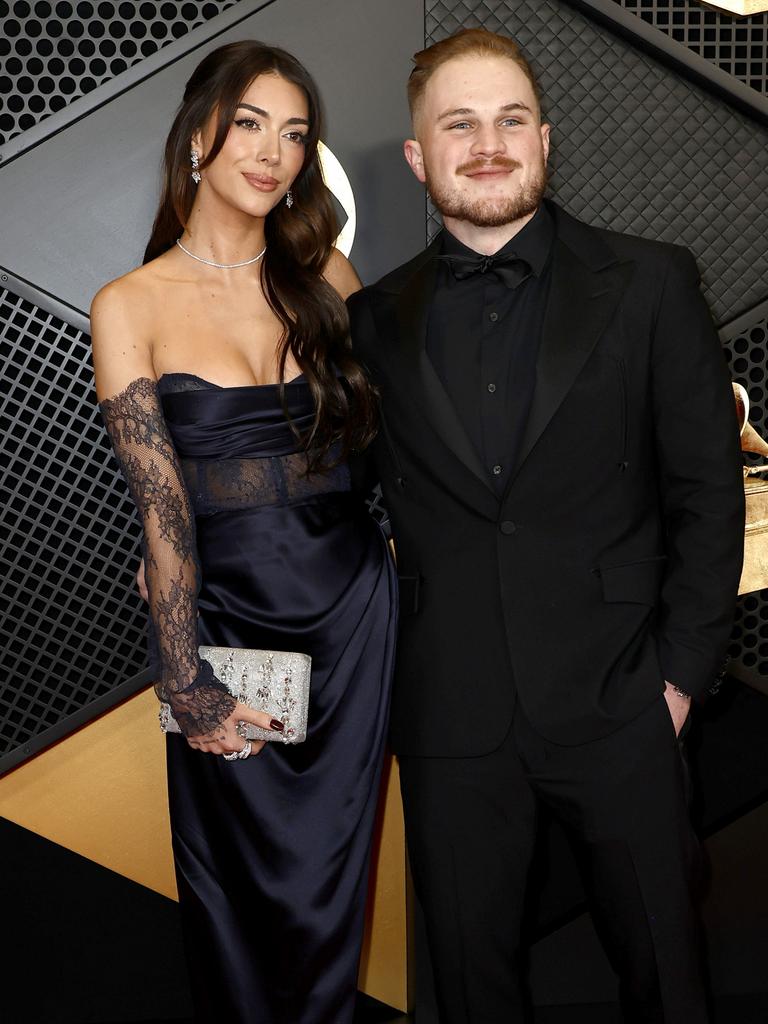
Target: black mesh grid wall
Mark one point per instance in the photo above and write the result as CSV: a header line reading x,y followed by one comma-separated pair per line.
x,y
736,45
746,350
71,626
51,53
638,149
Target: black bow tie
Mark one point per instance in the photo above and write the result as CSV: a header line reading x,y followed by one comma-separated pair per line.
x,y
511,270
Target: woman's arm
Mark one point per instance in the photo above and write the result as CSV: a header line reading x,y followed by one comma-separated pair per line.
x,y
130,404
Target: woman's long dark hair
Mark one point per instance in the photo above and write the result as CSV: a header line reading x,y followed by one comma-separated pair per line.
x,y
299,243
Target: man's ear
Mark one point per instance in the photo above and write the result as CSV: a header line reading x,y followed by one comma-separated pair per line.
x,y
415,158
545,130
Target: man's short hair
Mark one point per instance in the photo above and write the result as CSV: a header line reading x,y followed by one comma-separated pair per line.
x,y
474,42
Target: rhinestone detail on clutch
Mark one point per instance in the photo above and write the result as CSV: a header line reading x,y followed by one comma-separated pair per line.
x,y
276,682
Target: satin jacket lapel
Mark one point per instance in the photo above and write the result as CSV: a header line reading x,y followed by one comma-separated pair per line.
x,y
582,301
413,316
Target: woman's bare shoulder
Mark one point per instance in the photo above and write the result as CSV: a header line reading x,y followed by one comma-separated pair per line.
x,y
133,296
341,275
123,317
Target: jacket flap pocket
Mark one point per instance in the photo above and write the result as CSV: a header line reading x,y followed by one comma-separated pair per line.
x,y
638,582
409,594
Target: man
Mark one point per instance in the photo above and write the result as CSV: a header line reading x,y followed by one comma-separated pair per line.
x,y
559,456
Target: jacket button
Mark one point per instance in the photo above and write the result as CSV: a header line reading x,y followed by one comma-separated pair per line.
x,y
508,527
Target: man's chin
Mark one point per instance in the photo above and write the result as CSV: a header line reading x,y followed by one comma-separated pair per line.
x,y
492,214
490,211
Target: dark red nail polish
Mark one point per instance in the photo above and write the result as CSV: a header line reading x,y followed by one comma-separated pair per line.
x,y
276,724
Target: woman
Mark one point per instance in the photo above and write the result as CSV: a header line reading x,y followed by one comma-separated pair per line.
x,y
232,402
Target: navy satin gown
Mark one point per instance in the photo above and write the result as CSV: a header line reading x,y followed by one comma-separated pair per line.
x,y
272,853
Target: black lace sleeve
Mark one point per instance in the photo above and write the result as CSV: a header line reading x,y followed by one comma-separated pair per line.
x,y
146,455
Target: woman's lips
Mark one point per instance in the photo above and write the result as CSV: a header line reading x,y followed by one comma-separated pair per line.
x,y
263,182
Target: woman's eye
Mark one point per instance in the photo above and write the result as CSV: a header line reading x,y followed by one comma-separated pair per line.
x,y
299,137
248,123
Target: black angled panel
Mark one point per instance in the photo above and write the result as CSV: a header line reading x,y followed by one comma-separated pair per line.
x,y
738,46
71,627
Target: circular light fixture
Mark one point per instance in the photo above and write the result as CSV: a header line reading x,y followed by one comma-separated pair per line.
x,y
335,177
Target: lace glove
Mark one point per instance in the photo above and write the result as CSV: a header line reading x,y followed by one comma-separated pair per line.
x,y
145,453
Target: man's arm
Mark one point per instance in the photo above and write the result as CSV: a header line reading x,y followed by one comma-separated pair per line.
x,y
701,482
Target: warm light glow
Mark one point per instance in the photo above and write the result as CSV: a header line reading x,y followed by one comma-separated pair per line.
x,y
742,7
335,177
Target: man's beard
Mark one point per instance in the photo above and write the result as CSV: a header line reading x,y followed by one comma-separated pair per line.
x,y
490,213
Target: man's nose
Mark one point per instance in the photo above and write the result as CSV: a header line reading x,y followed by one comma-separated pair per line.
x,y
488,141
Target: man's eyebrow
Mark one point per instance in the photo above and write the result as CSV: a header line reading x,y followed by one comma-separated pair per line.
x,y
455,113
464,111
265,113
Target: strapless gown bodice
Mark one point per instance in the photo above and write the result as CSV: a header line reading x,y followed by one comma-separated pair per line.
x,y
237,446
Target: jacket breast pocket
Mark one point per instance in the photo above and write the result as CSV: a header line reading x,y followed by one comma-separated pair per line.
x,y
637,582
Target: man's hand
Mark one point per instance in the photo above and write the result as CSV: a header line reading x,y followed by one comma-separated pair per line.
x,y
679,706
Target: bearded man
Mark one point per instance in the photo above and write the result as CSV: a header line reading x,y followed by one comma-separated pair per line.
x,y
559,456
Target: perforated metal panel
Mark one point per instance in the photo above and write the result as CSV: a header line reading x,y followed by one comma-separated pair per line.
x,y
51,53
736,45
638,149
71,625
746,350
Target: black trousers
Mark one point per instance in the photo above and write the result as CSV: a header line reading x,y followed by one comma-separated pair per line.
x,y
470,825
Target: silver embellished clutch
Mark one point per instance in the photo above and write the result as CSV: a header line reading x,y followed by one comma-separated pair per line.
x,y
276,682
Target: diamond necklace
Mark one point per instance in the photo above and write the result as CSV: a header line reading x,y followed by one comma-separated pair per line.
x,y
220,266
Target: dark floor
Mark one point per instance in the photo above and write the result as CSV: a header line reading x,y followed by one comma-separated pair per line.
x,y
744,1009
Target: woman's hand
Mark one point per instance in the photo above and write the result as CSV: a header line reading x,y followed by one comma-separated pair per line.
x,y
225,739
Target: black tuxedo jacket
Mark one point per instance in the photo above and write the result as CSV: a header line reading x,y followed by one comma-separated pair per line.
x,y
612,561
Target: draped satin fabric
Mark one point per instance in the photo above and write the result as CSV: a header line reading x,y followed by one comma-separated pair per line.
x,y
272,852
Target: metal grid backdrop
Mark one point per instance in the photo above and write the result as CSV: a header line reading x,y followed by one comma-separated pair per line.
x,y
736,45
51,53
638,149
71,627
746,346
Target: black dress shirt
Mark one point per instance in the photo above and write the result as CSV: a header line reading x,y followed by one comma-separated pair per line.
x,y
483,339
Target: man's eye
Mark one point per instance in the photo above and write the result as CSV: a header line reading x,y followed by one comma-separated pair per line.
x,y
511,121
461,124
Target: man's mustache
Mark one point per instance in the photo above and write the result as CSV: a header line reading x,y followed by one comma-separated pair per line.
x,y
502,163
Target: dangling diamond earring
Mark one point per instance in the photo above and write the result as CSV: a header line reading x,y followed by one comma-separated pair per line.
x,y
196,176
289,199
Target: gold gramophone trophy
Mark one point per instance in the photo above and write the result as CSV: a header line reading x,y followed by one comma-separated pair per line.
x,y
754,575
